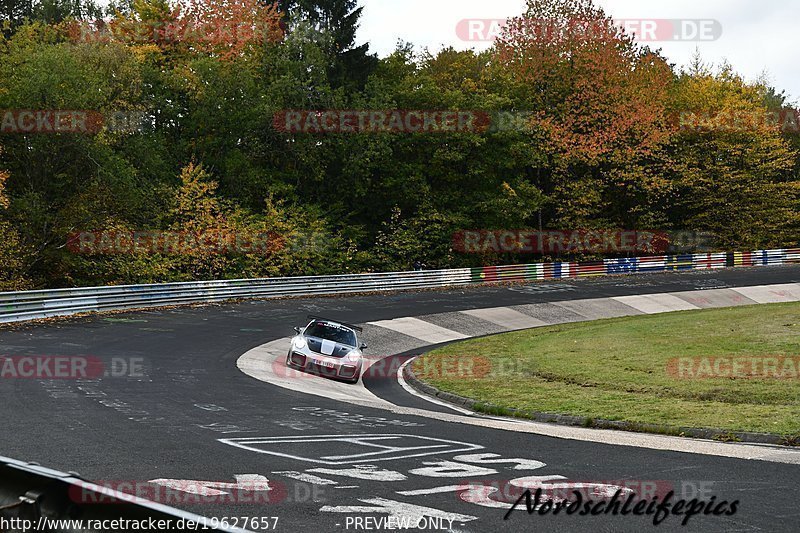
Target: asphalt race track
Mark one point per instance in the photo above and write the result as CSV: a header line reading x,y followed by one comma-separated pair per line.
x,y
192,414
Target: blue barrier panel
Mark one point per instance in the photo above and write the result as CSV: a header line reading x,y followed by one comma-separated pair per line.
x,y
626,265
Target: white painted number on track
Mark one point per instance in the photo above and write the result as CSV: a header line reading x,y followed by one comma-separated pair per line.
x,y
248,482
307,478
368,472
451,469
496,459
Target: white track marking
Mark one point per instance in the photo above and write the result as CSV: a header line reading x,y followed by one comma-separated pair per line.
x,y
478,494
789,292
435,446
497,459
379,452
434,490
210,407
451,469
248,482
399,510
308,478
510,319
656,303
368,474
419,329
409,389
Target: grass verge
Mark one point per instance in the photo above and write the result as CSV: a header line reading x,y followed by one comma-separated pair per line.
x,y
628,369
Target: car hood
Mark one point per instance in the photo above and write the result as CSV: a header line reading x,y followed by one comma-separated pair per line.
x,y
329,348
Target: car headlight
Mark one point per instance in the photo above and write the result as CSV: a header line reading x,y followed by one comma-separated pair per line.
x,y
300,343
353,356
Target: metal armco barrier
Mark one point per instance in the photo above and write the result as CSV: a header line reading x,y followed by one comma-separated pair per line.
x,y
34,498
29,305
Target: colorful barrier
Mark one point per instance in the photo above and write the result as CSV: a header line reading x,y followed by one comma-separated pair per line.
x,y
634,265
30,305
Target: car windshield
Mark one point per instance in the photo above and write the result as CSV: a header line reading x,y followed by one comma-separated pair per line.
x,y
331,332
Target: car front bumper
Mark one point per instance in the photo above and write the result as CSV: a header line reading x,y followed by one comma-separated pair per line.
x,y
326,366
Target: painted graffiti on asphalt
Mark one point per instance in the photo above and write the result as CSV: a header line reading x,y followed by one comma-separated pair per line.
x,y
364,457
337,465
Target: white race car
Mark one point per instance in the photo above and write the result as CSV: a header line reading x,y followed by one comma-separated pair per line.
x,y
328,348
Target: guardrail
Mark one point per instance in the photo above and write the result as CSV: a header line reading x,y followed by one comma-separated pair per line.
x,y
29,305
35,498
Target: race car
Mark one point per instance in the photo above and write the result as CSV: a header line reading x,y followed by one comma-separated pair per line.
x,y
328,348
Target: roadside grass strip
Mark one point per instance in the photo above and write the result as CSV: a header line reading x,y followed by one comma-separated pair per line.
x,y
735,369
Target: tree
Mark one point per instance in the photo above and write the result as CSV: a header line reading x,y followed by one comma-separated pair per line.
x,y
596,100
55,11
731,169
350,65
580,137
222,28
277,242
13,13
13,254
425,238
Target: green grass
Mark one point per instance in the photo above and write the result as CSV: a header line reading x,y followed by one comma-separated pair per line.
x,y
616,369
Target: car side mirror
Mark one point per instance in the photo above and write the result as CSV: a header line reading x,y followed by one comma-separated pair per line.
x,y
297,330
362,347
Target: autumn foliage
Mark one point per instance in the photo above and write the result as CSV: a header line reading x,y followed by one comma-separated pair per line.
x,y
602,133
599,96
221,27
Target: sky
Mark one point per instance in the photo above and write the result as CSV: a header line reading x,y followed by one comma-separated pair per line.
x,y
757,37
